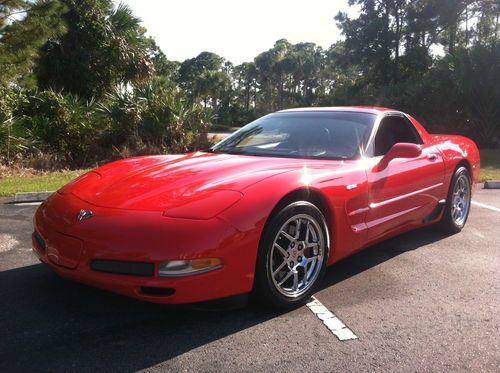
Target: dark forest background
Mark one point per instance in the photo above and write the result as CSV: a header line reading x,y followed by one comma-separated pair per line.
x,y
81,82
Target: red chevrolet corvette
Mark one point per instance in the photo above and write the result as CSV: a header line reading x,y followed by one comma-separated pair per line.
x,y
265,210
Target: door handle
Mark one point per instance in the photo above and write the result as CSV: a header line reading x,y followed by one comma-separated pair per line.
x,y
432,157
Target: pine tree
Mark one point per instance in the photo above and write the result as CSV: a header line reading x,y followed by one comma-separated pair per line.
x,y
24,27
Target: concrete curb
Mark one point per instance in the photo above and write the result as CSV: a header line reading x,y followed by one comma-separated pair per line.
x,y
492,184
6,200
31,196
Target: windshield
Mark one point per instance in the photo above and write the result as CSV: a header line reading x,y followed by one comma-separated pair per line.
x,y
313,135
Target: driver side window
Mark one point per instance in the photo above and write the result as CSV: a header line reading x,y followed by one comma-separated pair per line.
x,y
394,129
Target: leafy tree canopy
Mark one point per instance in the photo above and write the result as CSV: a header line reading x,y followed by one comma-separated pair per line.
x,y
103,47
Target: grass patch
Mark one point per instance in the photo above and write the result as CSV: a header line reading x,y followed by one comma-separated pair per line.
x,y
48,181
490,164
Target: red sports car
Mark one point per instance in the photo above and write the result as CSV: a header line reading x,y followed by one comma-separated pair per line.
x,y
265,210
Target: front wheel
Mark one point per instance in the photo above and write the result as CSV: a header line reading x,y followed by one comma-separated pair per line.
x,y
458,202
292,255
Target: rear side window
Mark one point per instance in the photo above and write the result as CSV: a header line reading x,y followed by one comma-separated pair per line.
x,y
394,129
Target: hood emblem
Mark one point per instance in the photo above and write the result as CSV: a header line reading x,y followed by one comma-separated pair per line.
x,y
85,214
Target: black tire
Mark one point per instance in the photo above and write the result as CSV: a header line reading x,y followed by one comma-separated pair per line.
x,y
304,257
453,220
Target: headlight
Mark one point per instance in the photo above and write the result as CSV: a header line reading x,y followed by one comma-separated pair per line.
x,y
175,268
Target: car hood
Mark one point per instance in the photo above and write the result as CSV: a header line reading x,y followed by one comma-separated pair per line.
x,y
160,183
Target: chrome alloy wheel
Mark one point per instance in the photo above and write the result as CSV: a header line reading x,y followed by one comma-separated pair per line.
x,y
460,201
297,255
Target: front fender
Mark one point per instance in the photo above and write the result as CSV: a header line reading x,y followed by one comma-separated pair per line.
x,y
255,208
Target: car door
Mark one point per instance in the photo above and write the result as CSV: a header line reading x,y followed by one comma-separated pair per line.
x,y
406,190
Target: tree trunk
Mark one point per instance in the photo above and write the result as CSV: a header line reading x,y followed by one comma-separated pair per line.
x,y
387,57
247,96
496,31
466,23
280,92
452,37
214,103
397,36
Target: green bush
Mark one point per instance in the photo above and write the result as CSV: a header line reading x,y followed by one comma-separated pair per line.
x,y
50,129
59,125
13,137
152,115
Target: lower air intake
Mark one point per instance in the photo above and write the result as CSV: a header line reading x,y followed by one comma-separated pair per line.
x,y
123,268
157,291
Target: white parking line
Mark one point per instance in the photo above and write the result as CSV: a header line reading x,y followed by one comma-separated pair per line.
x,y
332,322
479,204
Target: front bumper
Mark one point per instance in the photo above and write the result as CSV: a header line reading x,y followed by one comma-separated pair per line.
x,y
70,246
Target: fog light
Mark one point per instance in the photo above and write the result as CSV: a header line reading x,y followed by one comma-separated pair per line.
x,y
175,268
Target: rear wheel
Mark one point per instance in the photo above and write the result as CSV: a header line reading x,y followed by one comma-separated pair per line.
x,y
458,202
292,255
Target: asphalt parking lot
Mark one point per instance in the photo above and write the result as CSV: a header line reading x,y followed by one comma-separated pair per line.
x,y
422,301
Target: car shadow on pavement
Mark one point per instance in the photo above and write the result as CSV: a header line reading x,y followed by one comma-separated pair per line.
x,y
50,324
381,252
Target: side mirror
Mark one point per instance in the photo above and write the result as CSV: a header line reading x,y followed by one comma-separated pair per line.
x,y
401,150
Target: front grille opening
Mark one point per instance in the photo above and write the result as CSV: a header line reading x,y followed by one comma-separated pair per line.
x,y
40,241
123,268
149,290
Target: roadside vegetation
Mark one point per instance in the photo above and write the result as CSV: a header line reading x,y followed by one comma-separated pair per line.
x,y
81,83
490,164
25,180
